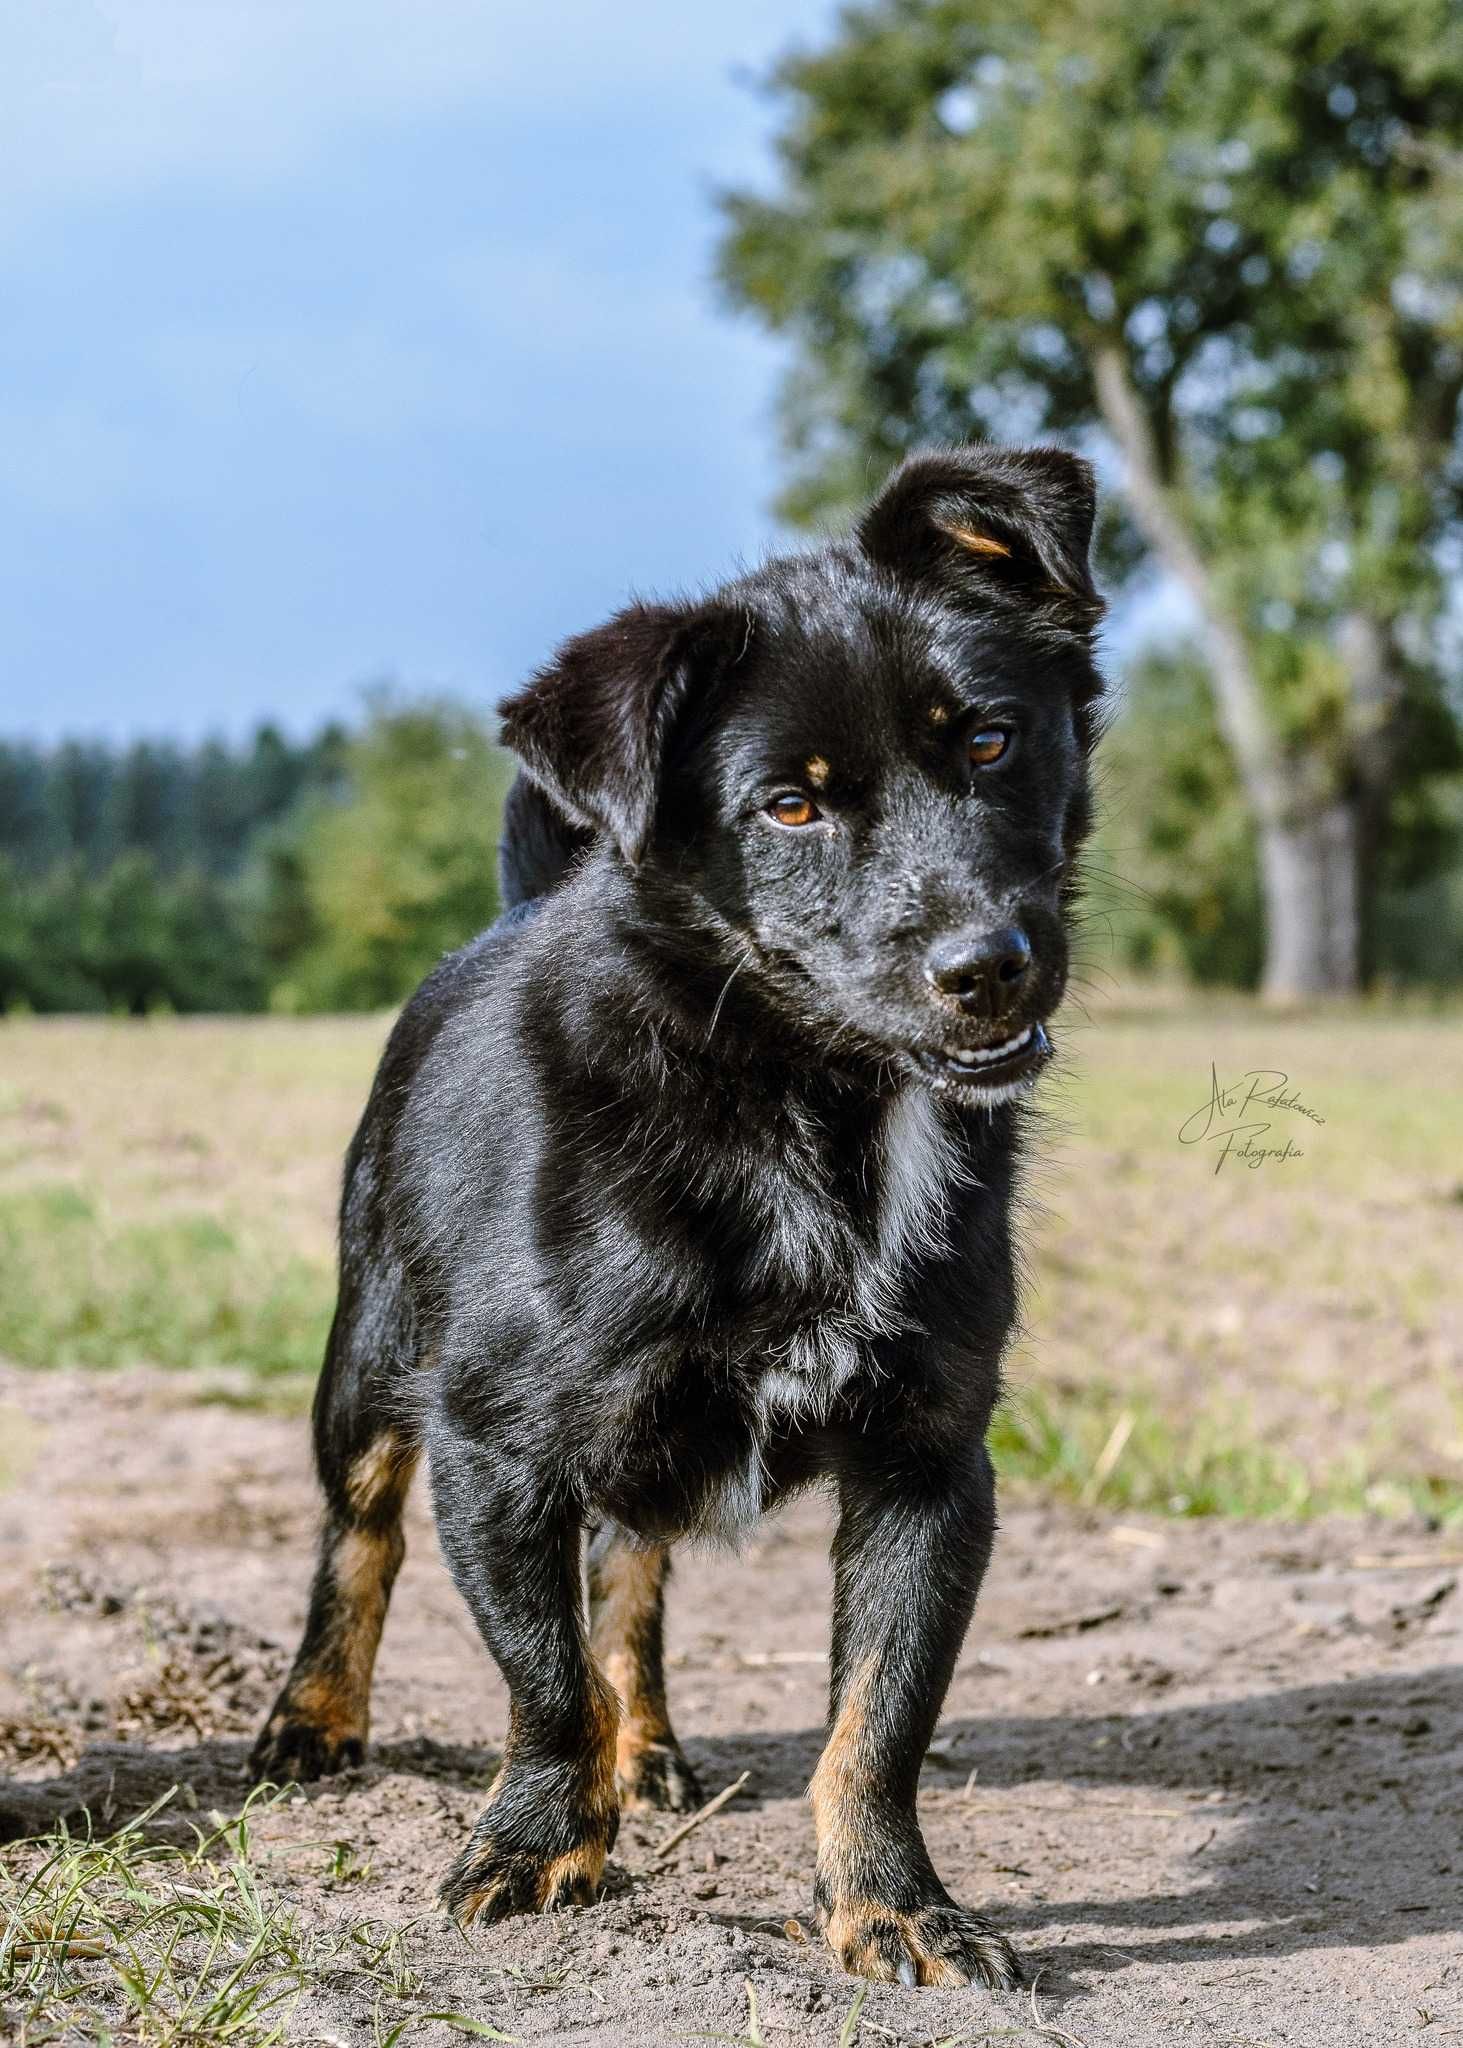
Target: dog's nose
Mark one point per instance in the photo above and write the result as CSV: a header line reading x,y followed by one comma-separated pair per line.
x,y
981,970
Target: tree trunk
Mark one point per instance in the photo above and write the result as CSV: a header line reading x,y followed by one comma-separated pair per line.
x,y
1310,871
1374,686
1309,836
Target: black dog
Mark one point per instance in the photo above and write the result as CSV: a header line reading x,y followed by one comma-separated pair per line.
x,y
691,1182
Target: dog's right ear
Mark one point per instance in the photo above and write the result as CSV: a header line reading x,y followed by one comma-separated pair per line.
x,y
591,728
985,522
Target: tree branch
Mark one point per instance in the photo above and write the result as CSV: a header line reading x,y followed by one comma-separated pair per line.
x,y
1237,697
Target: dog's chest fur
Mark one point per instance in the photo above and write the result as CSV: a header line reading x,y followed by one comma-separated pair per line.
x,y
849,1256
841,1266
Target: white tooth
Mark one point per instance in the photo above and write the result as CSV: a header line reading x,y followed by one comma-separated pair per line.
x,y
1010,1045
985,1055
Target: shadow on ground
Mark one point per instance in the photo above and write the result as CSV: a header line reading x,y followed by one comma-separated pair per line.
x,y
1340,1821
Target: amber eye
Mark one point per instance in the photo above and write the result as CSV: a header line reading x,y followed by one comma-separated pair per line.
x,y
794,809
986,748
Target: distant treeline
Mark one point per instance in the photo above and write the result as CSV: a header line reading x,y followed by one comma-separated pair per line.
x,y
331,873
84,804
323,874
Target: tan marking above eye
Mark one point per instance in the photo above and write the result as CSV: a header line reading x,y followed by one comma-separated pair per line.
x,y
939,714
978,543
818,771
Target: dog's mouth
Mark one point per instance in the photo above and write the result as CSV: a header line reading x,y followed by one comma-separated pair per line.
x,y
988,1072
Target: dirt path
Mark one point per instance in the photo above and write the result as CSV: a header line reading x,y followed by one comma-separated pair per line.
x,y
1205,1774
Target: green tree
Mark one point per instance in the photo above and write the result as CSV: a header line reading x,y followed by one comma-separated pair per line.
x,y
131,957
29,829
284,923
402,870
1175,868
273,773
151,801
1174,864
1227,242
79,796
213,960
15,941
220,812
49,940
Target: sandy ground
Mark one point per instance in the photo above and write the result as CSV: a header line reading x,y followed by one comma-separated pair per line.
x,y
1205,1774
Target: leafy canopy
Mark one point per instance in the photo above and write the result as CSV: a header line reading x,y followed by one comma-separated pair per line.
x,y
1260,204
370,893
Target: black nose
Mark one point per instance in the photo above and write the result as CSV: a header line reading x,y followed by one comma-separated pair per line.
x,y
982,970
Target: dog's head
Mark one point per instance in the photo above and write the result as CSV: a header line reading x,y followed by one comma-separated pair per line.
x,y
863,769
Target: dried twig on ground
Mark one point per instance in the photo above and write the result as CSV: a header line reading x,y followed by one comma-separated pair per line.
x,y
678,1835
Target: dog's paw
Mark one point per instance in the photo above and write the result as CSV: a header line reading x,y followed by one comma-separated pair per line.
x,y
658,1779
292,1748
490,1880
940,1944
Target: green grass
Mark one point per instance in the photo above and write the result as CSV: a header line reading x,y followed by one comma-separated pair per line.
x,y
83,1287
1281,1342
1101,1447
125,1938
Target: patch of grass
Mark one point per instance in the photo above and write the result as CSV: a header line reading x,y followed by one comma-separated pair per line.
x,y
125,1938
1285,1341
81,1287
1099,1446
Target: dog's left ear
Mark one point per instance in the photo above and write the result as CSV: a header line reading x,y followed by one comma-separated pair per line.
x,y
986,522
591,728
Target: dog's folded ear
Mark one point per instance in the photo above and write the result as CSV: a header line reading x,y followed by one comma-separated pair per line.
x,y
985,521
591,728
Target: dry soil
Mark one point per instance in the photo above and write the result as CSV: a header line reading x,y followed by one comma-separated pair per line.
x,y
1204,1773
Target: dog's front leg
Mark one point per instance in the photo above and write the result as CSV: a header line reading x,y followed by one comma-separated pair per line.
x,y
513,1546
913,1541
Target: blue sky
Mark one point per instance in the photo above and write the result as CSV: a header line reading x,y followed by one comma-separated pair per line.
x,y
346,341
